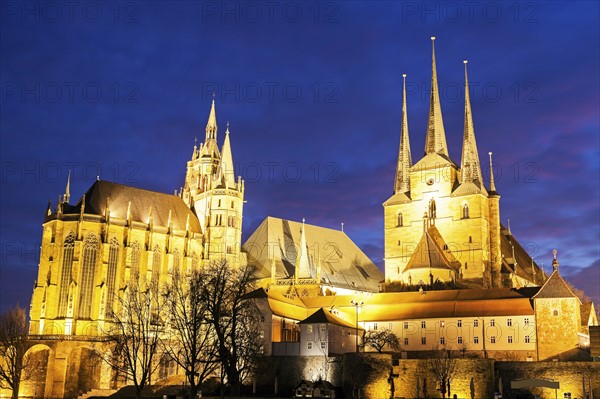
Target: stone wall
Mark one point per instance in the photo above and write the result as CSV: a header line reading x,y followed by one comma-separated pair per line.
x,y
366,375
570,375
289,370
477,373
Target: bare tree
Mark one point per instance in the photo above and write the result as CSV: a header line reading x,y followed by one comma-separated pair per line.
x,y
136,331
13,345
378,339
463,348
234,318
192,344
443,367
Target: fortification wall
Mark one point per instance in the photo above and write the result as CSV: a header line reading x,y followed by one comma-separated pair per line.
x,y
570,375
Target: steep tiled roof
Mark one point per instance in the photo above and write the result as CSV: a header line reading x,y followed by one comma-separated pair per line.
x,y
410,305
118,196
429,253
325,316
521,263
343,264
555,287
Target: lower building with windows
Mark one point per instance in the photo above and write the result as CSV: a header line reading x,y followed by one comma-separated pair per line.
x,y
529,324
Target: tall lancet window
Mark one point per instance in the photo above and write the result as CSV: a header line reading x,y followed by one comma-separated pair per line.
x,y
465,211
111,275
176,262
86,279
156,260
65,274
400,221
135,263
194,263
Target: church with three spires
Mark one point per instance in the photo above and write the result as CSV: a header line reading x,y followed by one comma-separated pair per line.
x,y
442,237
442,223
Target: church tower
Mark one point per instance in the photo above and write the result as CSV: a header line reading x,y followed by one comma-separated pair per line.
x,y
215,196
440,223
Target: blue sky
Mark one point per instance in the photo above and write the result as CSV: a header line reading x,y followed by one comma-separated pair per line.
x,y
312,91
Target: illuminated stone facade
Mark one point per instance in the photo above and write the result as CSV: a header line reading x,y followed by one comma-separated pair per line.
x,y
441,222
117,235
318,289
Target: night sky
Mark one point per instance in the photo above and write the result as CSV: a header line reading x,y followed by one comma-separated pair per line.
x,y
312,91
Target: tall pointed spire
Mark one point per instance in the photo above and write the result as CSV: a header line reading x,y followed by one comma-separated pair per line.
x,y
470,167
436,136
404,158
211,125
67,195
492,183
226,166
302,266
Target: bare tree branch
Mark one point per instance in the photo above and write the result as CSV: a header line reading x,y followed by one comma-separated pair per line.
x,y
13,346
192,343
136,331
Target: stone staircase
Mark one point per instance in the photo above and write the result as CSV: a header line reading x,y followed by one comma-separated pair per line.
x,y
97,392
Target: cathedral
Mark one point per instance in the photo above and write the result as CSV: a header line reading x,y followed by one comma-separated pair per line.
x,y
442,236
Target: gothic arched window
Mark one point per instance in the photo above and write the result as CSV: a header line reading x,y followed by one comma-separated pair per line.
x,y
86,278
194,262
65,274
135,263
156,260
465,211
176,262
111,275
400,221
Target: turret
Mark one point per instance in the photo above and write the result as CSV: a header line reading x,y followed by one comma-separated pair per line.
x,y
494,230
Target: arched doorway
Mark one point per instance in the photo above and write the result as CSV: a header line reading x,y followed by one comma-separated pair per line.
x,y
84,366
36,382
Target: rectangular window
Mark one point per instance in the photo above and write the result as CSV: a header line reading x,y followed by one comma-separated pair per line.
x,y
509,322
459,340
475,340
526,321
493,339
423,324
510,339
323,344
527,339
375,326
442,340
309,345
492,323
390,326
475,323
322,328
406,325
405,341
423,340
459,323
442,324
309,328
